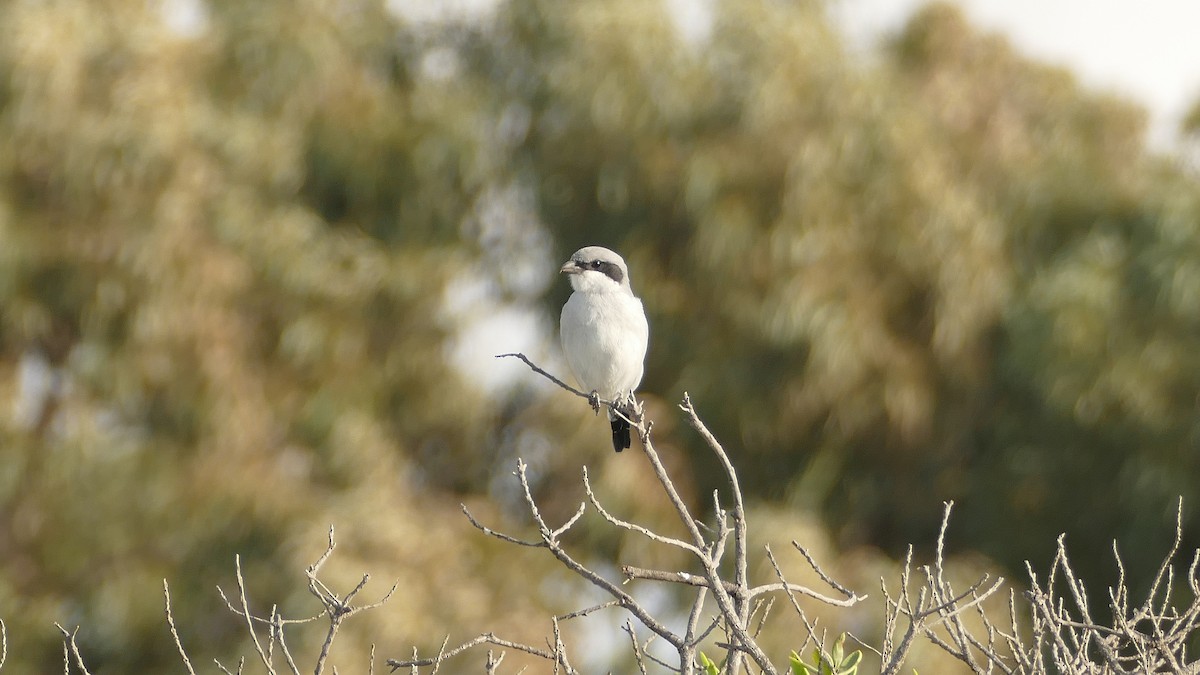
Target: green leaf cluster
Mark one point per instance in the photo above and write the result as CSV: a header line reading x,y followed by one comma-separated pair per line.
x,y
837,662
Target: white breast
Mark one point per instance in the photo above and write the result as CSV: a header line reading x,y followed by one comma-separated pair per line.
x,y
604,338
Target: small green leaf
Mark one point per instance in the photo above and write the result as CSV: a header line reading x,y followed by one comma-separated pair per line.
x,y
798,666
710,668
849,665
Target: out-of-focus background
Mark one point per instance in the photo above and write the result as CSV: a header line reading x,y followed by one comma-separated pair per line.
x,y
256,259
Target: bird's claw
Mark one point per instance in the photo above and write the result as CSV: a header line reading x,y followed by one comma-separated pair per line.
x,y
594,401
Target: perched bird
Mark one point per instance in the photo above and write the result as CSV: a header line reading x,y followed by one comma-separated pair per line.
x,y
604,331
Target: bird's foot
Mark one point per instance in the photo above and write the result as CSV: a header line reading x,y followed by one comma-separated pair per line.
x,y
629,408
594,401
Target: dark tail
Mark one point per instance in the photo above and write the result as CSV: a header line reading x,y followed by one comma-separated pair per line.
x,y
621,436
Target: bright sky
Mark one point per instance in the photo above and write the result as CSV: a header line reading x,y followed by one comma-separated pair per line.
x,y
1148,50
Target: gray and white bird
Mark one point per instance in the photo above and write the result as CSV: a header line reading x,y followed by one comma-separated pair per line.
x,y
604,331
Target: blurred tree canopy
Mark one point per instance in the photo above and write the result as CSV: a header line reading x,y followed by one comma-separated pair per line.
x,y
233,238
950,273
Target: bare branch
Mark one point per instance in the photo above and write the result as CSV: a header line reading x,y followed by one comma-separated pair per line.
x,y
245,612
660,472
637,651
174,633
632,527
590,610
499,535
616,407
241,664
535,368
570,521
337,609
825,577
627,601
486,638
69,644
277,635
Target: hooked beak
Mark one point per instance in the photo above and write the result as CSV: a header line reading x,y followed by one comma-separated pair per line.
x,y
570,267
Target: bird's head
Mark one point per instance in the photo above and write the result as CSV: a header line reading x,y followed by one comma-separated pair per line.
x,y
595,269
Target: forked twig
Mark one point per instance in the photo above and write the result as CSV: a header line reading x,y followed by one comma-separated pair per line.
x,y
70,648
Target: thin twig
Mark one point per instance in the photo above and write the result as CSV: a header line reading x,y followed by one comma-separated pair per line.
x,y
277,635
633,527
590,610
613,405
338,609
69,642
738,611
499,535
174,633
486,638
825,577
241,583
637,651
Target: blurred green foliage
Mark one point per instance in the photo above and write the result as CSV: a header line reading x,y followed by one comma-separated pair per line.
x,y
228,248
950,273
